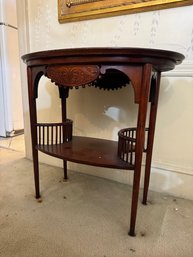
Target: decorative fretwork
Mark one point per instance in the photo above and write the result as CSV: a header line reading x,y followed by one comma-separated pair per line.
x,y
90,75
111,79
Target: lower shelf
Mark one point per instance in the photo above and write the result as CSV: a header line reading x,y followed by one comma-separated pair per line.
x,y
90,151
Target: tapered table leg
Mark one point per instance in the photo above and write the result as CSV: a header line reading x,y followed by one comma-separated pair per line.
x,y
64,92
36,174
152,122
65,170
33,79
140,138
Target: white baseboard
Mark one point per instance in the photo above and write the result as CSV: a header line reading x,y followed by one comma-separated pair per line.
x,y
172,182
183,70
165,178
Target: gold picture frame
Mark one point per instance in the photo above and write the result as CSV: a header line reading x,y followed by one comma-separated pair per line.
x,y
75,10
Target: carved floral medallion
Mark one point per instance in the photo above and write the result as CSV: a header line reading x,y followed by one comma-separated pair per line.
x,y
72,75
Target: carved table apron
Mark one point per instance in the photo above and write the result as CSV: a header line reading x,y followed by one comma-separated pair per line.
x,y
107,68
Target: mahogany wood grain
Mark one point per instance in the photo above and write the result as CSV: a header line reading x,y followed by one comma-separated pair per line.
x,y
86,150
78,67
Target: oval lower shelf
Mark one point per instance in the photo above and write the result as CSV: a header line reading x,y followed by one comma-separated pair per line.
x,y
90,151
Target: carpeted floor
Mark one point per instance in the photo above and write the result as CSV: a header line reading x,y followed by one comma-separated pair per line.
x,y
84,217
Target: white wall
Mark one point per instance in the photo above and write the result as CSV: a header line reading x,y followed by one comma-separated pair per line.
x,y
172,167
11,118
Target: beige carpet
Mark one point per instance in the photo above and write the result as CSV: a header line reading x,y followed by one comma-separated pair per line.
x,y
85,217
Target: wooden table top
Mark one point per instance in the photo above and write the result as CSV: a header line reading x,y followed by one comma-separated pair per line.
x,y
162,60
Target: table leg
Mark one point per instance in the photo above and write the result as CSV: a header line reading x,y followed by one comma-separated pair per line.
x,y
36,173
64,92
65,170
33,122
140,138
152,122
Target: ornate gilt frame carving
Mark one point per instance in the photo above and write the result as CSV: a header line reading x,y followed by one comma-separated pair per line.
x,y
74,10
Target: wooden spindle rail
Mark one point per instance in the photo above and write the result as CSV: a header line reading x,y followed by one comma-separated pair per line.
x,y
54,133
126,144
